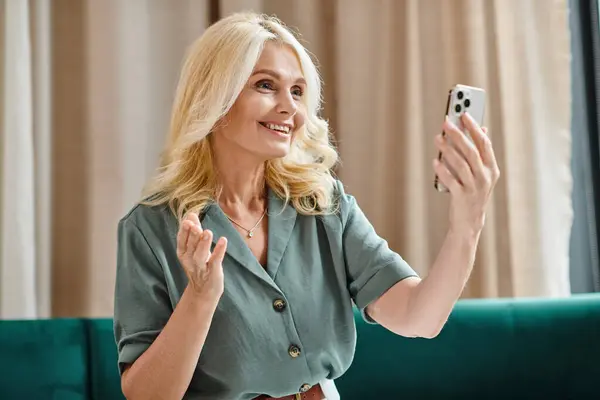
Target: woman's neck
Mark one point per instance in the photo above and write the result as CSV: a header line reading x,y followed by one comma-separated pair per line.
x,y
243,188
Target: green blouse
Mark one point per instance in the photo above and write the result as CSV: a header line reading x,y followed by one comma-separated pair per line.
x,y
276,330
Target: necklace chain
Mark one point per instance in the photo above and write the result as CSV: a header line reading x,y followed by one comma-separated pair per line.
x,y
250,231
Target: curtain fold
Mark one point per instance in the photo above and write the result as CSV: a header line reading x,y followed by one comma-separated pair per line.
x,y
18,238
42,145
113,90
86,90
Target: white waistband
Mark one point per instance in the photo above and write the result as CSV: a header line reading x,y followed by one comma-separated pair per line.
x,y
329,389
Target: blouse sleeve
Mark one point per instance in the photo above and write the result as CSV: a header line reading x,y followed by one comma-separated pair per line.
x,y
142,306
371,266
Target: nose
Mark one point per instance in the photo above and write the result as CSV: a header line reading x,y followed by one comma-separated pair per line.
x,y
286,104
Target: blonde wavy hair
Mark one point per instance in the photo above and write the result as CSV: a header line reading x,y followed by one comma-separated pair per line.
x,y
216,69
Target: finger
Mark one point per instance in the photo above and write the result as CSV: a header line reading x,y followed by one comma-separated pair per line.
x,y
477,134
218,253
182,237
446,177
194,218
489,155
465,147
456,162
202,251
193,239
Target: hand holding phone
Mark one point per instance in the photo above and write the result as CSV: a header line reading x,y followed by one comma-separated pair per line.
x,y
461,99
466,165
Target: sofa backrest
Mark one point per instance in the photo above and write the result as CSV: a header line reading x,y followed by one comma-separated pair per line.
x,y
489,349
492,349
104,374
44,359
66,359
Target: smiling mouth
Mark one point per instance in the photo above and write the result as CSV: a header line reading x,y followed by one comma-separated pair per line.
x,y
286,130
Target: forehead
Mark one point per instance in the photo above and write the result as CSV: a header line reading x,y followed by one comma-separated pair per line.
x,y
281,59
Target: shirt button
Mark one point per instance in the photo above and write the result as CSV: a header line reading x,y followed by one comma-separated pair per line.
x,y
294,351
304,388
279,305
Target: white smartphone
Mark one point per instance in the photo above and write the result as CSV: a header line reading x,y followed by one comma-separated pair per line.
x,y
461,99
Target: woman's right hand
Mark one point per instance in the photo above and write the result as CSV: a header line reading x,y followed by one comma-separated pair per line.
x,y
203,269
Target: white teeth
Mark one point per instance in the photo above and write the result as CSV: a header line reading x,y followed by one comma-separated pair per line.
x,y
280,128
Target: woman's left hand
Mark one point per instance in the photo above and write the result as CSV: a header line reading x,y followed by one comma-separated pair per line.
x,y
475,173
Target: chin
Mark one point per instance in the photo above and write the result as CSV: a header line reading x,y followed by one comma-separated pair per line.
x,y
276,153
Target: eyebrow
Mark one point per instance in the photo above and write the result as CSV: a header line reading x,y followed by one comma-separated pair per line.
x,y
276,75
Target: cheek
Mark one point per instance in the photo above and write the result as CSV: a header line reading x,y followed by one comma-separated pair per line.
x,y
243,118
247,105
300,119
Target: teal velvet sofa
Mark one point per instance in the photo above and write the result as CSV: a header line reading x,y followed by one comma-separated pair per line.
x,y
489,349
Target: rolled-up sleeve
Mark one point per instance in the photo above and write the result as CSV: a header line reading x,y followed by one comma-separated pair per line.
x,y
142,306
371,266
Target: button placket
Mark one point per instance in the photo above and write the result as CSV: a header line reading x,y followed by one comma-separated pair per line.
x,y
280,305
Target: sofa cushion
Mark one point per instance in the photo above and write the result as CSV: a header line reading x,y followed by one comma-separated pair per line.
x,y
492,349
45,359
106,382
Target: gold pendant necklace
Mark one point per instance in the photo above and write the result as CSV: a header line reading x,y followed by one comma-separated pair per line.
x,y
250,231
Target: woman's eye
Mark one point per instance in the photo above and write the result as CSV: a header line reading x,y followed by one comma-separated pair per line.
x,y
269,86
264,85
297,91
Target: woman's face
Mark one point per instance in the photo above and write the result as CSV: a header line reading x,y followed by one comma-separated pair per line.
x,y
269,110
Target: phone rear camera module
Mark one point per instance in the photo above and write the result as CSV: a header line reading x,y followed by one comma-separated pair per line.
x,y
457,108
467,103
460,95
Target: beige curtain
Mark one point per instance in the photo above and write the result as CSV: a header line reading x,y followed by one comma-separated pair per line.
x,y
388,65
114,69
116,64
86,91
25,212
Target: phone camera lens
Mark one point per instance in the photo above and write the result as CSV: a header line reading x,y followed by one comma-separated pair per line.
x,y
460,95
467,103
457,108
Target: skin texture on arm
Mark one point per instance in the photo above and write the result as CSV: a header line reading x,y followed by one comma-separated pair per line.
x,y
420,308
165,369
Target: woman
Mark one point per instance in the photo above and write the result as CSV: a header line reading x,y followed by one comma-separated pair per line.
x,y
237,273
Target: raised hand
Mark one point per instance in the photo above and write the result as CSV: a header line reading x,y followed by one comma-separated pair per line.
x,y
203,268
474,172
